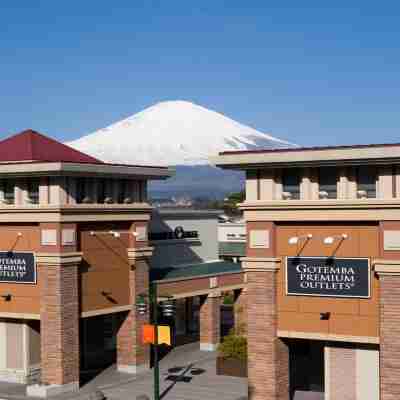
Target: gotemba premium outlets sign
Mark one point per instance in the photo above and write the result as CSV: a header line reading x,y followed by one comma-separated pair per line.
x,y
17,267
328,276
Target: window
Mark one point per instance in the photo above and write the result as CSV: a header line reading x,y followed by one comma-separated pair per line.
x,y
101,191
291,184
123,192
80,190
366,181
328,182
9,194
33,191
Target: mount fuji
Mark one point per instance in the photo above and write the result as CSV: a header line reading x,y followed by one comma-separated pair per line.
x,y
183,135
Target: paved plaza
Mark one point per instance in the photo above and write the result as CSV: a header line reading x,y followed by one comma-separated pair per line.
x,y
186,373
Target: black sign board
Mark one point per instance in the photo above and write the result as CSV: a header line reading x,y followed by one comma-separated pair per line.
x,y
177,233
328,276
17,267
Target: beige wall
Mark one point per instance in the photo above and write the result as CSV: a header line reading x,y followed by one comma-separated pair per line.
x,y
351,372
19,350
265,184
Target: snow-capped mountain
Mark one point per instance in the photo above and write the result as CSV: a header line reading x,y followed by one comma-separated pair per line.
x,y
181,134
172,133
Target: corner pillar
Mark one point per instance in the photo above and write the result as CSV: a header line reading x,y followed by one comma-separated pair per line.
x,y
268,355
132,355
210,321
389,355
59,320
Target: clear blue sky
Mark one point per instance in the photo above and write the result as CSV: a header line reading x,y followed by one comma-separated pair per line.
x,y
310,72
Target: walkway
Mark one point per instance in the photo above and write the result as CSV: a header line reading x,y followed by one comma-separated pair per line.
x,y
186,373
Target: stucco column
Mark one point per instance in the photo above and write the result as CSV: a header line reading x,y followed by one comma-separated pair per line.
x,y
59,323
268,356
210,321
389,283
132,355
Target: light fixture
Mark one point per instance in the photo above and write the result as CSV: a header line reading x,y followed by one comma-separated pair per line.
x,y
331,239
362,194
295,239
323,194
115,234
286,195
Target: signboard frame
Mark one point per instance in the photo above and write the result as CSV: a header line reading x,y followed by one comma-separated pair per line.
x,y
31,282
328,295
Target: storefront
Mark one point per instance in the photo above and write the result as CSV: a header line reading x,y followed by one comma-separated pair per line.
x,y
77,249
73,253
322,268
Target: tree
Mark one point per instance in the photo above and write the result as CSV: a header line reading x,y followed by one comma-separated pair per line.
x,y
231,203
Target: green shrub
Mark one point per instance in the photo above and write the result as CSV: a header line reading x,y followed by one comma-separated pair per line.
x,y
228,299
234,346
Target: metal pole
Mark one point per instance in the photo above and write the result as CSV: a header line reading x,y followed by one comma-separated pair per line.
x,y
153,301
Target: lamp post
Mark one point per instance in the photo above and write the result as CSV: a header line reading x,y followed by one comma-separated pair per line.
x,y
168,310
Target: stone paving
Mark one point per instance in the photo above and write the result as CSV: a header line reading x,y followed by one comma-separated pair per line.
x,y
195,370
196,375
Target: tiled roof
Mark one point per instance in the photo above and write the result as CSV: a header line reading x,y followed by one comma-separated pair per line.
x,y
33,146
194,270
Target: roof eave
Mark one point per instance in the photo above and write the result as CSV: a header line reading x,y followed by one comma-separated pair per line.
x,y
84,169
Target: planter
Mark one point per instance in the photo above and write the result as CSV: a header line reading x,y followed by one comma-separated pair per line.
x,y
231,367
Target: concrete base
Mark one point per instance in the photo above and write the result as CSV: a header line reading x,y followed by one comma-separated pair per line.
x,y
51,390
208,346
133,369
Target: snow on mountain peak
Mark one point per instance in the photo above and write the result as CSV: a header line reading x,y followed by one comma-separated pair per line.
x,y
173,133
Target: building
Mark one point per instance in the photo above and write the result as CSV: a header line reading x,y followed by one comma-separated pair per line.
x,y
74,255
323,271
185,244
232,240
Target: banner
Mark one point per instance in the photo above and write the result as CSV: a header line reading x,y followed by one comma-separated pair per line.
x,y
17,267
328,276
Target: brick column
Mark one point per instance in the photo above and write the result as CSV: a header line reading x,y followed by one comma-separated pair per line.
x,y
389,282
59,323
268,356
132,355
240,310
210,321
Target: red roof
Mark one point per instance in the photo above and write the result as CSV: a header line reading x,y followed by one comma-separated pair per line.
x,y
33,146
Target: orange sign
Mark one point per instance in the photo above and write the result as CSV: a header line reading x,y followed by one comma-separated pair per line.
x,y
148,334
164,335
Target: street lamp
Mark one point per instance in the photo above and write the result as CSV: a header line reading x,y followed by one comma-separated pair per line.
x,y
168,310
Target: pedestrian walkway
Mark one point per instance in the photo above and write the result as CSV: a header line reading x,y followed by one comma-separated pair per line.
x,y
186,373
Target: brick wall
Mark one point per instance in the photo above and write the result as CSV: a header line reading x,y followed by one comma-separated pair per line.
x,y
130,350
59,324
268,356
390,337
210,320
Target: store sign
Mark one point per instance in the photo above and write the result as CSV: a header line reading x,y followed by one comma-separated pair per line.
x,y
177,233
16,267
328,276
